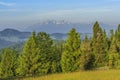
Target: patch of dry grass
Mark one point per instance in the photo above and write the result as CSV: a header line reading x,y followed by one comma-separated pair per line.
x,y
82,75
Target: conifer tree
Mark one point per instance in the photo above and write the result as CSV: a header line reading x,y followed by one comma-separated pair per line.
x,y
49,56
114,51
111,34
105,47
29,58
87,57
44,45
99,45
8,63
39,56
110,38
118,38
55,65
71,54
113,54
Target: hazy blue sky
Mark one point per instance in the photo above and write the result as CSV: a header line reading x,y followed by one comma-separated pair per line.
x,y
107,11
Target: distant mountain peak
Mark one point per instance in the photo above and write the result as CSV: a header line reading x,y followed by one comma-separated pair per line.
x,y
9,30
14,33
11,36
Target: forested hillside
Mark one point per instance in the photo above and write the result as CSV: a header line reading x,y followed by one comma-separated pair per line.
x,y
41,55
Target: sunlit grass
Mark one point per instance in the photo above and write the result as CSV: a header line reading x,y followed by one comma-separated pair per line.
x,y
82,75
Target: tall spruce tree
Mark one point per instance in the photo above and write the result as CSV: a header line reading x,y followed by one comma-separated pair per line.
x,y
49,57
71,54
110,38
44,45
8,63
113,54
114,51
39,56
29,58
55,65
118,38
99,45
87,57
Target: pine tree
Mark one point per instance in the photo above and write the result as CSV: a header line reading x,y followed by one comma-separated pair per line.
x,y
71,54
118,37
96,30
55,65
113,54
110,38
105,47
111,34
114,51
29,58
39,56
49,57
99,45
87,58
8,63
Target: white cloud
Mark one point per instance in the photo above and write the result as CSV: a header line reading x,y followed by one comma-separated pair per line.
x,y
6,4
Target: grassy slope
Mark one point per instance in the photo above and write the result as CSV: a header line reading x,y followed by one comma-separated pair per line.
x,y
88,75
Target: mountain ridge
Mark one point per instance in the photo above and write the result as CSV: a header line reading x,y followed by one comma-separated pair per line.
x,y
11,36
56,26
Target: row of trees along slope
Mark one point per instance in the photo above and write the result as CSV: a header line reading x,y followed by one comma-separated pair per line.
x,y
41,55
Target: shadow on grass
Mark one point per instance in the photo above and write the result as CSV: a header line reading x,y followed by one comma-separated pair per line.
x,y
21,77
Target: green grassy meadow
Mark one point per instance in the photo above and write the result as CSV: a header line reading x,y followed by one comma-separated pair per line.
x,y
82,75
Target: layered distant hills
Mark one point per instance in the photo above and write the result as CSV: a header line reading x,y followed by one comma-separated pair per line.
x,y
14,35
10,37
57,30
55,26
